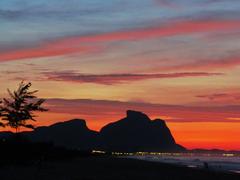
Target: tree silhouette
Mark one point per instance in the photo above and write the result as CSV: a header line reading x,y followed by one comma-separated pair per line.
x,y
20,107
1,124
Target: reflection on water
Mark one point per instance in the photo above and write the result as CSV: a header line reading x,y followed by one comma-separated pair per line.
x,y
218,162
236,171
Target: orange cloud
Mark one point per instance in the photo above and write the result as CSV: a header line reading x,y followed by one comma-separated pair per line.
x,y
90,43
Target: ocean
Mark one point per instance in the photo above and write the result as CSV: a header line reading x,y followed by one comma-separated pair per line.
x,y
217,162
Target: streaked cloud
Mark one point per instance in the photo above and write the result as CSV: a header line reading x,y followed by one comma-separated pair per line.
x,y
71,45
45,50
113,110
234,118
220,96
207,64
111,79
168,4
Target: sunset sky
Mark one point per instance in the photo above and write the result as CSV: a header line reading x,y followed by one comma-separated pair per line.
x,y
178,60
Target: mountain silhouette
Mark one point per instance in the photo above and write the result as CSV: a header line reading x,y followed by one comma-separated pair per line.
x,y
72,134
135,132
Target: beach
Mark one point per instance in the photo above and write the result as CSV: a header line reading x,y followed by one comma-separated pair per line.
x,y
107,167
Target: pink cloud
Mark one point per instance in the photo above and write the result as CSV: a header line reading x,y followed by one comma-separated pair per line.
x,y
170,29
90,43
44,50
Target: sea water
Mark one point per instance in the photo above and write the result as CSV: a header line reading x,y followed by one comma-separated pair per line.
x,y
217,162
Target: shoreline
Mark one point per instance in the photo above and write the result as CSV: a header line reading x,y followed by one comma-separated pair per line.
x,y
196,162
108,167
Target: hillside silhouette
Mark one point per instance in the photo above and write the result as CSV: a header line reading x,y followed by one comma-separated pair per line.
x,y
71,134
135,132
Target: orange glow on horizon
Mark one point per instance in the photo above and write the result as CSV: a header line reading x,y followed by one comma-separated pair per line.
x,y
94,61
207,135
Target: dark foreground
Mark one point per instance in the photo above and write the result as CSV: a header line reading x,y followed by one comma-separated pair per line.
x,y
90,168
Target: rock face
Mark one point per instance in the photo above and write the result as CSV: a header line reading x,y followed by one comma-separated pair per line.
x,y
135,132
